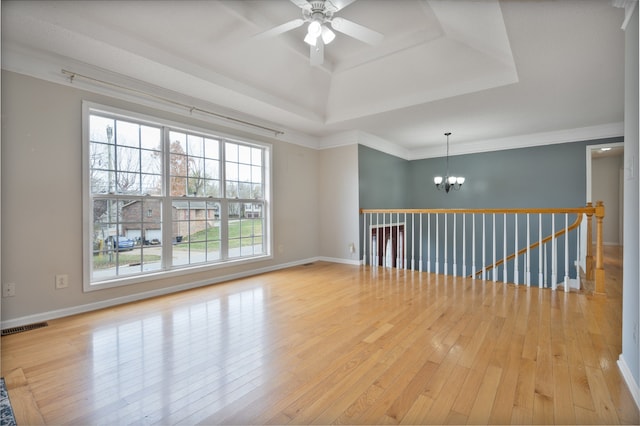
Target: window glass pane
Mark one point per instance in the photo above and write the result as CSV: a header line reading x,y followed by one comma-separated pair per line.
x,y
178,142
195,146
244,190
212,149
244,173
178,165
122,237
98,129
256,157
100,181
100,156
178,186
151,138
231,171
244,154
151,162
256,174
245,230
152,184
231,190
196,231
211,188
231,152
128,159
127,134
127,183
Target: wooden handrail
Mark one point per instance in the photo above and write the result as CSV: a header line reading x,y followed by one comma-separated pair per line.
x,y
577,210
520,252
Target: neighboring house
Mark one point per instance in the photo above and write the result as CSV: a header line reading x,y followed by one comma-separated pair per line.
x,y
143,221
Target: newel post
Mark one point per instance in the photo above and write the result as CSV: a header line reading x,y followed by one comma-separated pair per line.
x,y
589,259
599,248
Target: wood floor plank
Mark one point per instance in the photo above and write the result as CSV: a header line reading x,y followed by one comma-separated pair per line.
x,y
331,343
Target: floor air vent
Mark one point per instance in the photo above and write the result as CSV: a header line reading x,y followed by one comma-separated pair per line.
x,y
22,328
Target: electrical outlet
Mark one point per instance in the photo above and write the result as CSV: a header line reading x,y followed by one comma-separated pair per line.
x,y
8,290
62,281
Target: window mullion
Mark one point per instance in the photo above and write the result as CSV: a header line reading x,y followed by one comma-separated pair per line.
x,y
166,218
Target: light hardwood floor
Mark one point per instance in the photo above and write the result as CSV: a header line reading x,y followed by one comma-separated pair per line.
x,y
329,343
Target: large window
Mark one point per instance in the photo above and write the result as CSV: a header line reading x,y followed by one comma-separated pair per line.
x,y
160,198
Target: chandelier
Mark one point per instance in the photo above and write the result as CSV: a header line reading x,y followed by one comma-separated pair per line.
x,y
448,183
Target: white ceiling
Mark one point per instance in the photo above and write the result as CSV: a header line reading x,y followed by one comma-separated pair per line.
x,y
495,73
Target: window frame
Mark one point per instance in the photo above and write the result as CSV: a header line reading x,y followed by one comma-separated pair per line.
x,y
166,199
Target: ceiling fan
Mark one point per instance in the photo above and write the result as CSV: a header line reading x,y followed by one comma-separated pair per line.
x,y
318,13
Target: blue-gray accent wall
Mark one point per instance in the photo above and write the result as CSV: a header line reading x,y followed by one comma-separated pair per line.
x,y
550,176
382,180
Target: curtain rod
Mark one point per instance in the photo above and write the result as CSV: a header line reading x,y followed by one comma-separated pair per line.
x,y
72,75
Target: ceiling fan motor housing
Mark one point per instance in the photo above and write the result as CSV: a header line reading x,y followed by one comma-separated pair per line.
x,y
319,12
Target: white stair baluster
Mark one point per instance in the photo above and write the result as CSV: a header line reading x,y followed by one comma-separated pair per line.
x,y
528,264
420,241
446,237
546,267
413,247
464,244
484,247
540,253
516,264
455,266
578,254
437,271
364,237
473,246
384,239
566,252
495,271
554,254
398,252
504,249
428,242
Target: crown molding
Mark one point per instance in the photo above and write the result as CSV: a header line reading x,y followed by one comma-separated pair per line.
x,y
525,141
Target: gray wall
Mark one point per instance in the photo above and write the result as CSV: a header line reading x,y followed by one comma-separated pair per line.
x,y
630,358
605,187
42,204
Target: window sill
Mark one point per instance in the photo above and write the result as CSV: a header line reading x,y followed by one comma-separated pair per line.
x,y
175,272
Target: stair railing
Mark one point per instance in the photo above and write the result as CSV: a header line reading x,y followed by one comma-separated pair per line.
x,y
489,243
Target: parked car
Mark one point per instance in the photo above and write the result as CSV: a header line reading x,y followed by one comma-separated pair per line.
x,y
125,243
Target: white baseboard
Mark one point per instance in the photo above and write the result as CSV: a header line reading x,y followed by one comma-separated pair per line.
x,y
59,313
628,377
355,262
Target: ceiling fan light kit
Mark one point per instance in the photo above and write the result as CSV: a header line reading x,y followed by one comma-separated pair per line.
x,y
318,13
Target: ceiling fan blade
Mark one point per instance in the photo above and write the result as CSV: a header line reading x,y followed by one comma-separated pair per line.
x,y
302,4
282,28
356,31
316,53
337,5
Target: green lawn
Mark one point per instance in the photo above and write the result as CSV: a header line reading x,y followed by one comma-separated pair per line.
x,y
208,240
237,229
